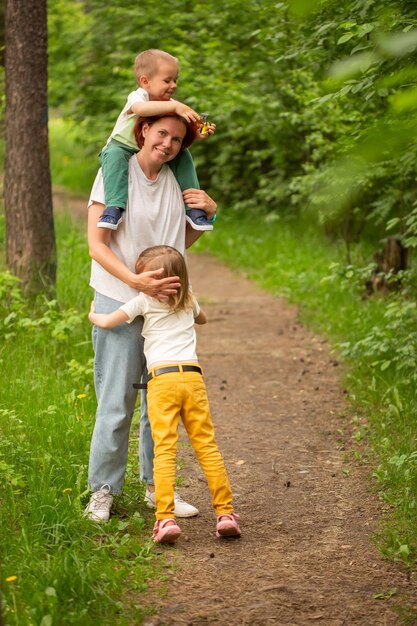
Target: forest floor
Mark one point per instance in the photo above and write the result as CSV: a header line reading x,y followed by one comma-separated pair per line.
x,y
308,514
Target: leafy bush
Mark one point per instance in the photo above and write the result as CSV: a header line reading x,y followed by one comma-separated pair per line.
x,y
20,316
301,104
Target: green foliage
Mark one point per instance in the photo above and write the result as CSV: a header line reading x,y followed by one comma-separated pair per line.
x,y
300,103
58,324
315,104
372,183
58,567
391,344
73,163
375,336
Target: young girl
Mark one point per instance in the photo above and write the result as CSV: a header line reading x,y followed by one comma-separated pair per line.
x,y
175,389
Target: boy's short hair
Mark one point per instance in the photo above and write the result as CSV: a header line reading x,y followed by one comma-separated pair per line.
x,y
146,63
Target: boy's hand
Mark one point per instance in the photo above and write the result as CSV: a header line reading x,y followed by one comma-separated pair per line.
x,y
211,129
186,112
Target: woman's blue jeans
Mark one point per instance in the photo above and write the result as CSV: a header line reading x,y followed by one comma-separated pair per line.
x,y
118,364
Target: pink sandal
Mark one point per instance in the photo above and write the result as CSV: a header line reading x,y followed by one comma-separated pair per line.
x,y
166,531
227,526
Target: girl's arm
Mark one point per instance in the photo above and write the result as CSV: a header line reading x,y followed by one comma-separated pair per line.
x,y
107,320
100,251
201,318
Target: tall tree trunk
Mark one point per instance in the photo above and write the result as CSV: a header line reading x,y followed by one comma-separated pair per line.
x,y
31,252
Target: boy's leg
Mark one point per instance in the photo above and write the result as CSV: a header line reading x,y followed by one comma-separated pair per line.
x,y
114,160
184,171
199,426
118,365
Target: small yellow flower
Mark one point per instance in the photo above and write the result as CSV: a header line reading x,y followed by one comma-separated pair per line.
x,y
81,396
10,579
67,490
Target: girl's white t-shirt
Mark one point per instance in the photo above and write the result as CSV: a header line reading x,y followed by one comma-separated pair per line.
x,y
169,335
154,216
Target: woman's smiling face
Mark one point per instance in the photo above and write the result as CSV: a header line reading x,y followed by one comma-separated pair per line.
x,y
162,140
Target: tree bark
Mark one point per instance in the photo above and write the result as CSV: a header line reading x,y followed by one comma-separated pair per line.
x,y
31,252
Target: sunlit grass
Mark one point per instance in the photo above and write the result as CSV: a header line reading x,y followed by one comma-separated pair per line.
x,y
375,335
71,166
58,567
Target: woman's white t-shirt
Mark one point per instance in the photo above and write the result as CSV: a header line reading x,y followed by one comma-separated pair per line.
x,y
154,216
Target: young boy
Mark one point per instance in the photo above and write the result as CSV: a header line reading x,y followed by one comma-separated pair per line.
x,y
156,73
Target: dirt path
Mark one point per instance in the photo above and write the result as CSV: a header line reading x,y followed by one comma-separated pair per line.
x,y
307,516
306,555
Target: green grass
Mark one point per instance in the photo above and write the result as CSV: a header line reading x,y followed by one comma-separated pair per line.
x,y
71,166
71,571
68,570
376,336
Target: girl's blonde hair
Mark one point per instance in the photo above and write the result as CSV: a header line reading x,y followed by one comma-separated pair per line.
x,y
146,62
173,264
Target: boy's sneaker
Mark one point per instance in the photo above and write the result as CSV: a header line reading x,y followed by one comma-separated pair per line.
x,y
182,508
98,509
197,218
111,218
166,531
227,526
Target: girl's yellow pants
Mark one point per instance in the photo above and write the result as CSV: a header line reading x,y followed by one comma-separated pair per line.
x,y
175,395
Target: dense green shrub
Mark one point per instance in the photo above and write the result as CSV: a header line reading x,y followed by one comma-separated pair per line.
x,y
314,113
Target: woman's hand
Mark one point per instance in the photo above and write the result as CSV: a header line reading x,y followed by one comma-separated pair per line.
x,y
151,285
148,282
199,199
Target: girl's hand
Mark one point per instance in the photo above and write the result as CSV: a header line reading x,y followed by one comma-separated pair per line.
x,y
92,313
199,199
151,285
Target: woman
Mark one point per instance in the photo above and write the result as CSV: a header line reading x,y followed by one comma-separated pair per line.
x,y
154,216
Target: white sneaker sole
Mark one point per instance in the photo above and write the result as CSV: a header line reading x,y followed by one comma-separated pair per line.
x,y
177,513
196,226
